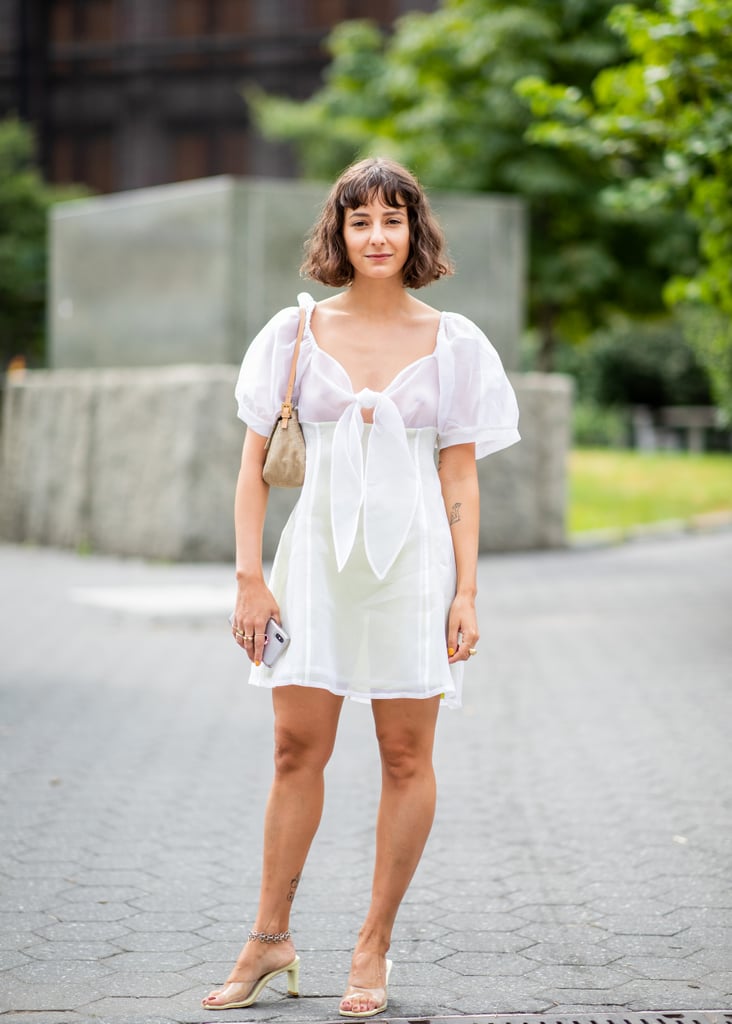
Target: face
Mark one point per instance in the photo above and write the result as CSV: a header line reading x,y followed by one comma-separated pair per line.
x,y
377,239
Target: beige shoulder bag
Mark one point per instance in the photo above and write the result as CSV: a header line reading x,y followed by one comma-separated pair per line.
x,y
284,463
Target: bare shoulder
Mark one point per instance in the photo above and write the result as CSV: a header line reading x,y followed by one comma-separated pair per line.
x,y
423,313
333,304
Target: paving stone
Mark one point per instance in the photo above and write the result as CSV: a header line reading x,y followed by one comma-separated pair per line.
x,y
582,733
151,961
85,912
40,1017
680,995
78,931
659,946
162,942
718,958
77,951
562,953
62,973
490,966
489,942
568,933
569,976
721,980
13,958
167,922
41,996
488,922
666,969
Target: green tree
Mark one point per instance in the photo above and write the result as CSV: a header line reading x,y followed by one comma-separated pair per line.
x,y
24,203
439,94
664,121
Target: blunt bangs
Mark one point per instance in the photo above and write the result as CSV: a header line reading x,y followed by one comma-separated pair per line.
x,y
378,182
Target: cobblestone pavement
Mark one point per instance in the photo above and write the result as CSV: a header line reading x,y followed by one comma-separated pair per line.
x,y
582,855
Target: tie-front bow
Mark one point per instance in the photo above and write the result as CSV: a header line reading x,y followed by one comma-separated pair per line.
x,y
385,483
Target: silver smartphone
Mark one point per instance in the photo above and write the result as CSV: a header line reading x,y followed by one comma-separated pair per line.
x,y
276,639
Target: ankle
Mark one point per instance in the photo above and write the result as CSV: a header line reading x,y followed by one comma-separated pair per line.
x,y
365,951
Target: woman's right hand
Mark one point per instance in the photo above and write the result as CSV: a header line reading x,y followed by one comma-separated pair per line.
x,y
255,606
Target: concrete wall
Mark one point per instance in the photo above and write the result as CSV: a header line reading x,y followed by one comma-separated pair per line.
x,y
143,462
188,273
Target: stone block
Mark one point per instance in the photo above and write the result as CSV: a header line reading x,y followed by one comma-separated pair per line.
x,y
524,488
143,462
189,272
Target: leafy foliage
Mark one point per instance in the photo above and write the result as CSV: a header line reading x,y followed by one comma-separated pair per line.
x,y
635,363
440,95
664,121
24,203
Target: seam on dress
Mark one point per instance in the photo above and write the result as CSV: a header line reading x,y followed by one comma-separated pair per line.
x,y
314,472
423,558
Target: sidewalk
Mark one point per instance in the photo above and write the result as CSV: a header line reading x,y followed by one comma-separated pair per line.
x,y
581,860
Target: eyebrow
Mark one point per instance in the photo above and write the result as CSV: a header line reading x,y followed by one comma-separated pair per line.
x,y
359,212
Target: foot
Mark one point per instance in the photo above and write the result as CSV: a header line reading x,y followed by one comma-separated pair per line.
x,y
366,993
255,962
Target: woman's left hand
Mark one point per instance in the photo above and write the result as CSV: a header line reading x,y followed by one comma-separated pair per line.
x,y
462,620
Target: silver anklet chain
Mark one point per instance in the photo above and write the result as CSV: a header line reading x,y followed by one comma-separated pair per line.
x,y
265,937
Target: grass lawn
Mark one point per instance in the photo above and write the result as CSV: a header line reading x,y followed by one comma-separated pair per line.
x,y
620,489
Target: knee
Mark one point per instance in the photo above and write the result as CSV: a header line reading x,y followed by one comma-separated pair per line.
x,y
298,752
403,760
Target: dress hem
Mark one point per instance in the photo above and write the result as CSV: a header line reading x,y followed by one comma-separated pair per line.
x,y
449,699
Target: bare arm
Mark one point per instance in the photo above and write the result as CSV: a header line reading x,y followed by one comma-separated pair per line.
x,y
254,602
459,482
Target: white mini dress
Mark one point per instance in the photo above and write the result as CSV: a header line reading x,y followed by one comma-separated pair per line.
x,y
364,573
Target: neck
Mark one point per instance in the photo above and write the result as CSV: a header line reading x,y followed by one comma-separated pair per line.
x,y
376,298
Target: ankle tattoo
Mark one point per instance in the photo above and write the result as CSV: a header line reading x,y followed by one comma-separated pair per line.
x,y
268,937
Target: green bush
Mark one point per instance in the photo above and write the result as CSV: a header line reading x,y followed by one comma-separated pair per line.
x,y
638,363
595,426
25,200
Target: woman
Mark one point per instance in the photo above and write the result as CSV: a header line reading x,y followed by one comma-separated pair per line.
x,y
375,575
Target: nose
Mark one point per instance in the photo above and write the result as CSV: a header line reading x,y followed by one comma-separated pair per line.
x,y
377,234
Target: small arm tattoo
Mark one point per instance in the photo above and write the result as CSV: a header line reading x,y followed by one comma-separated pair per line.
x,y
455,513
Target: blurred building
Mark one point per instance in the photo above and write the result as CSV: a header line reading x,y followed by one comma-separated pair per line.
x,y
129,93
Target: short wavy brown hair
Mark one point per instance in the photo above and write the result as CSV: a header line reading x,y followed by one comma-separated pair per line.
x,y
326,259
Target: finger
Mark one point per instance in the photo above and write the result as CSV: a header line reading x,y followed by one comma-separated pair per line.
x,y
243,637
468,644
453,638
259,642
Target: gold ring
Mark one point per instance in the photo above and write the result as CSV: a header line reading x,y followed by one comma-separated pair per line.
x,y
238,632
247,637
472,651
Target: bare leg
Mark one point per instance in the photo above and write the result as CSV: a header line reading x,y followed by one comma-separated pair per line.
x,y
405,730
306,721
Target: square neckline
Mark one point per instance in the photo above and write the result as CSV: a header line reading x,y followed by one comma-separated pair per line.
x,y
397,375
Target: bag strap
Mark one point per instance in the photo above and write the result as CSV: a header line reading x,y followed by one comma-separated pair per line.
x,y
287,404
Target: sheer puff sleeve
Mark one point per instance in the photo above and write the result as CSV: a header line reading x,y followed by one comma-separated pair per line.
x,y
265,369
477,403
